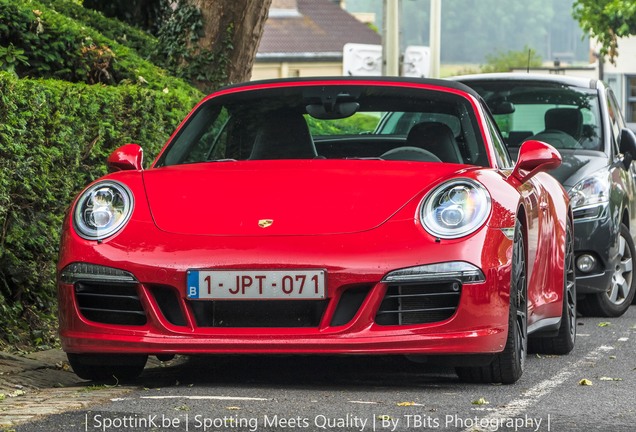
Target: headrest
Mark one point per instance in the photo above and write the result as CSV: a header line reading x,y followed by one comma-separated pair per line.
x,y
283,134
568,120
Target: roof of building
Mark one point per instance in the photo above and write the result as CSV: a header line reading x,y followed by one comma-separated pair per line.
x,y
311,29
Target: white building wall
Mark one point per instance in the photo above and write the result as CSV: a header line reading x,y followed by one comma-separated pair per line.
x,y
626,59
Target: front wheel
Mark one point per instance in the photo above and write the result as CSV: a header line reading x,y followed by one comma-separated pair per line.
x,y
619,295
507,366
100,367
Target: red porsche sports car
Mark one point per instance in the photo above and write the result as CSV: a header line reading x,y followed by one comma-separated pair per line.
x,y
277,221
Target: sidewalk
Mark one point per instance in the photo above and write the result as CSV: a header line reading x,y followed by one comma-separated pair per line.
x,y
42,383
35,371
34,385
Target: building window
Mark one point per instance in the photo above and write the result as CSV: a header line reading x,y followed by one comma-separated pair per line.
x,y
631,99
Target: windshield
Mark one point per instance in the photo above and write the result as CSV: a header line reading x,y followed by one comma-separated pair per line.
x,y
330,122
565,116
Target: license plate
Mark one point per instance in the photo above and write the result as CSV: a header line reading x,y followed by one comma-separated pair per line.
x,y
256,284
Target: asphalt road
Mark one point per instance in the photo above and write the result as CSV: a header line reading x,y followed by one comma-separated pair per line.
x,y
316,393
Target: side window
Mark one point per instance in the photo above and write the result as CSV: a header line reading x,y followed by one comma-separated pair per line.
x,y
503,158
630,102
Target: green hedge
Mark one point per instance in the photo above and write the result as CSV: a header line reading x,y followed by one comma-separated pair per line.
x,y
54,139
56,46
111,28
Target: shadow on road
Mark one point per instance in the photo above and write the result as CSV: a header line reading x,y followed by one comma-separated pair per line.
x,y
299,371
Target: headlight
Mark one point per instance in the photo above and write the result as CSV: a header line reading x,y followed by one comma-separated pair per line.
x,y
455,209
102,210
594,189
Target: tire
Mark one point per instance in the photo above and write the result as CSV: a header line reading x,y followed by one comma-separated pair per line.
x,y
564,341
620,293
100,367
507,366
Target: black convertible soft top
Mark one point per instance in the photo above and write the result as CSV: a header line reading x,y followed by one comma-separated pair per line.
x,y
456,85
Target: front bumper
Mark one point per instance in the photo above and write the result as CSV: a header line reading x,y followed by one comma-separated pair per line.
x,y
472,328
599,238
345,323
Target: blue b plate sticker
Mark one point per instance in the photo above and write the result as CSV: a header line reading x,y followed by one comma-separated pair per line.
x,y
193,284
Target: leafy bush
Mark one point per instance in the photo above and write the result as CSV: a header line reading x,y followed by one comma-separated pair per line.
x,y
114,29
56,46
54,139
357,124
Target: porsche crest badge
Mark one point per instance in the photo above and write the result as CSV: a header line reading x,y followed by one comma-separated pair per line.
x,y
265,223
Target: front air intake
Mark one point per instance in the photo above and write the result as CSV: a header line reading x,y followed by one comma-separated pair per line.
x,y
421,303
109,303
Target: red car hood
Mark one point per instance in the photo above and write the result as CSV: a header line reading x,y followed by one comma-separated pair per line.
x,y
308,197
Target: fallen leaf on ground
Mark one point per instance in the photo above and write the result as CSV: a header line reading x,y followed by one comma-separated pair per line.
x,y
406,403
585,382
480,401
604,324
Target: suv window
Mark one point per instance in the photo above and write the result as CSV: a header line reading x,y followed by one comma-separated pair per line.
x,y
567,117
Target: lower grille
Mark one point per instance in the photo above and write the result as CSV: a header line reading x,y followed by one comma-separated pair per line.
x,y
110,303
270,313
419,303
168,300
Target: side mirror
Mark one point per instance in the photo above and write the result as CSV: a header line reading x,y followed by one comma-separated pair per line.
x,y
628,146
126,157
535,156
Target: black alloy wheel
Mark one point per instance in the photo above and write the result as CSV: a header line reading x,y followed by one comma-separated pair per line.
x,y
507,366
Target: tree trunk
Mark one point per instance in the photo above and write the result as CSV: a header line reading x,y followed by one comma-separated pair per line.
x,y
242,21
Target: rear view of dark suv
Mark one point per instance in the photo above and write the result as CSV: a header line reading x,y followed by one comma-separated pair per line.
x,y
580,117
